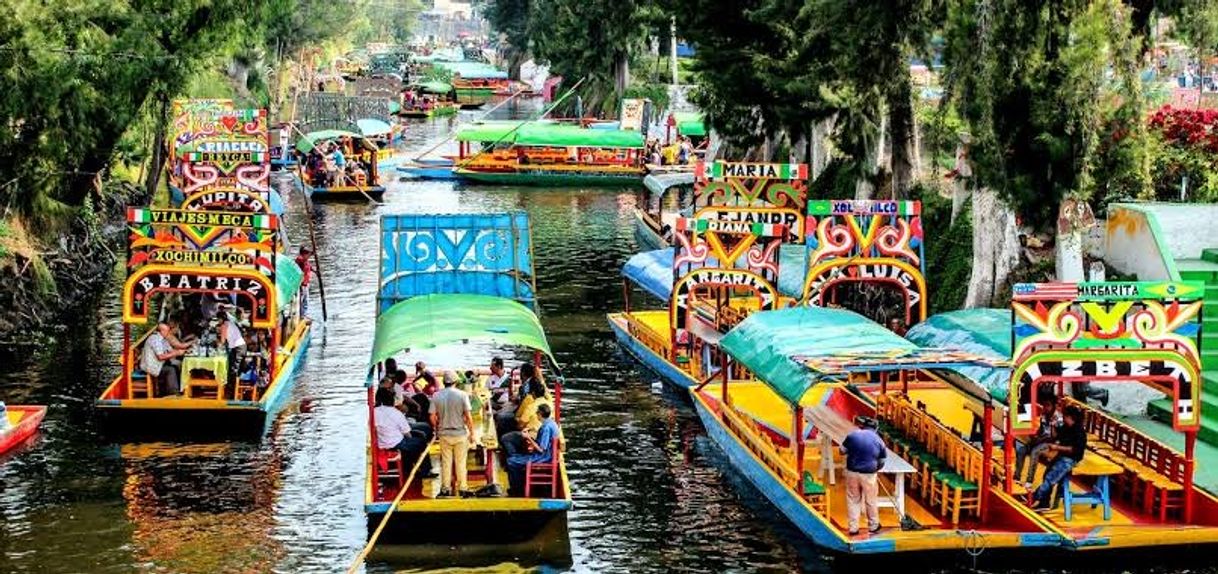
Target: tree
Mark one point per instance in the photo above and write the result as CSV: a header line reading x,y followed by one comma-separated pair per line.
x,y
593,39
1030,80
511,19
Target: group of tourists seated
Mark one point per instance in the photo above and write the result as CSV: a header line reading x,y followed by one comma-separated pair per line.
x,y
335,164
679,152
490,410
206,325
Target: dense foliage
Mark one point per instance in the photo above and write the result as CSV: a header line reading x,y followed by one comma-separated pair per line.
x,y
1186,153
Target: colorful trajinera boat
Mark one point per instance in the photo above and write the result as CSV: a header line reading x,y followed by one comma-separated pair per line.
x,y
360,178
22,423
431,100
449,282
779,381
553,154
381,134
705,185
216,265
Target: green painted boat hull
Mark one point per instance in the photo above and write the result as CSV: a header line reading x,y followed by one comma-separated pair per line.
x,y
551,179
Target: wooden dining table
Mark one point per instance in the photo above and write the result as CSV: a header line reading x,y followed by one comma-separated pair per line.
x,y
833,428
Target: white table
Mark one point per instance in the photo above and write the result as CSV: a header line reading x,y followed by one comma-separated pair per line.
x,y
834,428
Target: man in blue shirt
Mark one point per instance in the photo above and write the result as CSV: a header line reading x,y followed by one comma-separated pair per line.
x,y
523,450
865,452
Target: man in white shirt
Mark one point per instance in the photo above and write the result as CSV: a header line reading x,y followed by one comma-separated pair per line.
x,y
393,432
499,383
233,342
158,358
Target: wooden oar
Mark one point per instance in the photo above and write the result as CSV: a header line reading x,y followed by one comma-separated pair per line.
x,y
385,519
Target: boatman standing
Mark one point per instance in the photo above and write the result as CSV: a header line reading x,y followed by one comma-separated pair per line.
x,y
865,452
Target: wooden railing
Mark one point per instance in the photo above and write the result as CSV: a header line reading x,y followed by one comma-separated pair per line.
x,y
1130,442
658,342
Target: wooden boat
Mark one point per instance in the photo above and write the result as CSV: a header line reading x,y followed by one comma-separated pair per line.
x,y
701,185
425,302
23,421
362,185
382,135
222,243
557,155
433,99
777,389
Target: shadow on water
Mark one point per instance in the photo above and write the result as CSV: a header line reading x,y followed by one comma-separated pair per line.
x,y
652,493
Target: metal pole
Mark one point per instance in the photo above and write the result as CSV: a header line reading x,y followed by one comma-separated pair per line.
x,y
672,48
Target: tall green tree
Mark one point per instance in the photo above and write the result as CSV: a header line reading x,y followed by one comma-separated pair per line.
x,y
510,18
79,73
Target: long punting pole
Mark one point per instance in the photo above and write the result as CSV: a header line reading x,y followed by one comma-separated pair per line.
x,y
453,134
321,284
522,124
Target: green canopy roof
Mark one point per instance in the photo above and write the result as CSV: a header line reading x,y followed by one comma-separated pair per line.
x,y
690,124
434,87
569,136
440,319
394,107
985,332
306,143
774,344
486,132
287,279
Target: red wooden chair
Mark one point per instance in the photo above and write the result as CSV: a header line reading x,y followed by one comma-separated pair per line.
x,y
389,466
544,473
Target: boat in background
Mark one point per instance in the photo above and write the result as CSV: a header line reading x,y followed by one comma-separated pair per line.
x,y
432,99
23,421
362,184
381,134
481,290
556,155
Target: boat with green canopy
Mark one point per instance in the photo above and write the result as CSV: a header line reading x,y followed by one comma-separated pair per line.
x,y
553,154
324,179
429,99
455,290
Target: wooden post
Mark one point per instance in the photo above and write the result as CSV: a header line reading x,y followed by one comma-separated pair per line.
x,y
1190,444
1008,457
884,382
987,456
127,361
798,444
724,370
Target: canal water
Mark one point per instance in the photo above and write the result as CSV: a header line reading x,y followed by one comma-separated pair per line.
x,y
652,494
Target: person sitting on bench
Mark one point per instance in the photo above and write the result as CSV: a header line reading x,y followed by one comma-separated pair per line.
x,y
1068,449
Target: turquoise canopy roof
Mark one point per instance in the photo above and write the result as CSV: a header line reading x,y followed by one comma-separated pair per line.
x,y
985,332
790,350
775,345
287,279
373,127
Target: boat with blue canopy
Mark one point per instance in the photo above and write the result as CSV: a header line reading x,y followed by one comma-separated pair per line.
x,y
383,135
457,289
323,179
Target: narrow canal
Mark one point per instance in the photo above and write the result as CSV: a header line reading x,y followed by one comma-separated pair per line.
x,y
650,492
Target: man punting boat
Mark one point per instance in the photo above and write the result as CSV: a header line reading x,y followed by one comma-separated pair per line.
x,y
212,322
462,285
339,165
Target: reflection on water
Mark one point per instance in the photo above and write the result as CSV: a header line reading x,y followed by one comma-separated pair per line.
x,y
652,494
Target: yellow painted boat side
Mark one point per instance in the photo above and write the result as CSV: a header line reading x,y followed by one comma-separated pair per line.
x,y
289,353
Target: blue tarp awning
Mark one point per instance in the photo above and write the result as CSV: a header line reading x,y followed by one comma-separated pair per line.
x,y
652,271
985,332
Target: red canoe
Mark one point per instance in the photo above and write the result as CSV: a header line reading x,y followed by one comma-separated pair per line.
x,y
24,421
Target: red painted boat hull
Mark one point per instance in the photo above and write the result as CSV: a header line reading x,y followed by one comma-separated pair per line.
x,y
31,417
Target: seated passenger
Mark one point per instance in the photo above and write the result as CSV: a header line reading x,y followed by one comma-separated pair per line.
x,y
159,359
523,410
409,408
391,367
393,432
1068,449
521,449
499,383
1050,420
